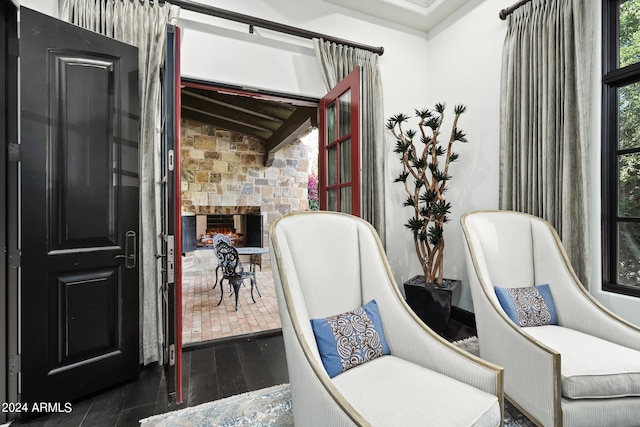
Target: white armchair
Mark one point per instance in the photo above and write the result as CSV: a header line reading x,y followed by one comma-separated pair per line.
x,y
585,371
327,263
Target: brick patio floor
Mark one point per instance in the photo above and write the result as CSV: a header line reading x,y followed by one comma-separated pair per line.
x,y
203,319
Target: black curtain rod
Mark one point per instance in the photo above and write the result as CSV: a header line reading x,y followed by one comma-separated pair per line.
x,y
508,11
269,25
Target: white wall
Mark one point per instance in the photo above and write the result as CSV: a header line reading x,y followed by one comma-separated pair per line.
x,y
464,67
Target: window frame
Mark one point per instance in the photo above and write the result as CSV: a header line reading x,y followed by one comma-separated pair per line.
x,y
351,83
613,78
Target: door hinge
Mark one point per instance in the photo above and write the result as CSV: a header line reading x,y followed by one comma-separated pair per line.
x,y
14,364
13,152
172,355
14,258
171,259
13,47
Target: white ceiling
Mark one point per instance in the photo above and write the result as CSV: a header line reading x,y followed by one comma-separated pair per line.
x,y
406,12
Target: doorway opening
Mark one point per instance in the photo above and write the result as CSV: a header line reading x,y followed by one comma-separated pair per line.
x,y
246,159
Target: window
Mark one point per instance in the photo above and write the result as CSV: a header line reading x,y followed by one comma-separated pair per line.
x,y
621,146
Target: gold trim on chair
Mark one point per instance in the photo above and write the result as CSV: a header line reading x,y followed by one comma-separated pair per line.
x,y
319,371
557,389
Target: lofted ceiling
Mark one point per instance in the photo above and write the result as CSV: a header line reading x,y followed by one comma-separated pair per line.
x,y
422,15
274,121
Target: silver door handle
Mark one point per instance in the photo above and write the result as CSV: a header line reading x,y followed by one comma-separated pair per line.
x,y
130,249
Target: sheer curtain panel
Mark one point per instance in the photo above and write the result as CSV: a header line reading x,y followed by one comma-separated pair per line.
x,y
336,61
141,23
545,127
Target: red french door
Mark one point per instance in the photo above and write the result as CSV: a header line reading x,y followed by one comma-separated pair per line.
x,y
339,163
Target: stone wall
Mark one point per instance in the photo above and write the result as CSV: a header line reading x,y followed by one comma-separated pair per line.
x,y
222,170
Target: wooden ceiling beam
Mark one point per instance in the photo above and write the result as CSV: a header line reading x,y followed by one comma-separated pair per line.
x,y
225,124
293,128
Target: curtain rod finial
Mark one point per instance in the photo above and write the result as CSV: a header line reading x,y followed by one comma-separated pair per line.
x,y
503,14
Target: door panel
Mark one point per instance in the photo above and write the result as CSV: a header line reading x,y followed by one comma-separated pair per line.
x,y
171,218
339,158
79,189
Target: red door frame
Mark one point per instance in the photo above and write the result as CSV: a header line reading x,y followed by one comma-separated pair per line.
x,y
350,82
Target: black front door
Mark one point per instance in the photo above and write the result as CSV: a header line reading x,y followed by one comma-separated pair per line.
x,y
79,187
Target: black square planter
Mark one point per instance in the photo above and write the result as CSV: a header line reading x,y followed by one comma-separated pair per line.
x,y
432,304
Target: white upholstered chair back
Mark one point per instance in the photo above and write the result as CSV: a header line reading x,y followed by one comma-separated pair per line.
x,y
512,249
327,263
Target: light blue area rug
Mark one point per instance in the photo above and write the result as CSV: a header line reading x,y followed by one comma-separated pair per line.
x,y
272,407
266,407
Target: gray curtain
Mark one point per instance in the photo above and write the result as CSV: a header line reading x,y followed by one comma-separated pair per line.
x,y
336,61
141,23
545,119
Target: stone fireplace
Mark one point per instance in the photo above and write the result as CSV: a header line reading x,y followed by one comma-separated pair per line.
x,y
224,173
242,224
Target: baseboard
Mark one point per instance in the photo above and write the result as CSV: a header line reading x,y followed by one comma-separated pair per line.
x,y
463,316
209,343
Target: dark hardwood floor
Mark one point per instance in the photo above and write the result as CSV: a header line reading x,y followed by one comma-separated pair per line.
x,y
211,371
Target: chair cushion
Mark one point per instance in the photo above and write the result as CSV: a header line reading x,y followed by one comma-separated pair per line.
x,y
591,367
349,339
390,391
528,306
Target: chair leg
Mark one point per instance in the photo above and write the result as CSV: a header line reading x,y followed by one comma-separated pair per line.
x,y
216,282
236,287
254,282
221,290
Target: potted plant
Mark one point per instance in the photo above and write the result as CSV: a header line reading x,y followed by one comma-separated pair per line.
x,y
425,175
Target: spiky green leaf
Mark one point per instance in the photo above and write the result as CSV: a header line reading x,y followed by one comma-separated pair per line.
x,y
409,202
433,122
399,118
440,176
402,177
415,225
428,196
435,234
419,163
440,107
459,109
423,113
458,135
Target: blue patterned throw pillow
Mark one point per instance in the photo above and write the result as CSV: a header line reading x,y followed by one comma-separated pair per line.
x,y
528,306
350,339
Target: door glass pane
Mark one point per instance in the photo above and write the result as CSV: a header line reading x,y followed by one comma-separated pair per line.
x,y
628,52
345,113
345,161
332,166
331,123
345,199
332,200
629,185
628,250
628,113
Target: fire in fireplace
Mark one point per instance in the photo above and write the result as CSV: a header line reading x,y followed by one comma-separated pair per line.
x,y
242,229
